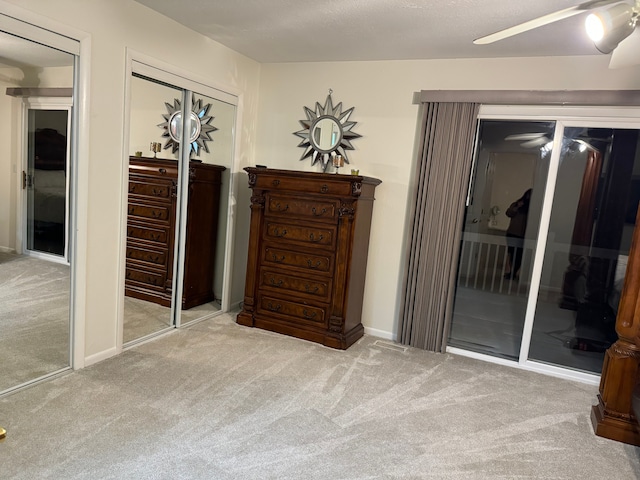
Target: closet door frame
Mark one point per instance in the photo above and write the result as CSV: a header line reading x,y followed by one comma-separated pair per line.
x,y
150,67
34,27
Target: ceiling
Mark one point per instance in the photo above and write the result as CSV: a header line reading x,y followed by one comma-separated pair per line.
x,y
351,30
20,53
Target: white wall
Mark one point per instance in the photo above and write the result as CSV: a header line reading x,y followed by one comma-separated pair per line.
x,y
381,93
114,26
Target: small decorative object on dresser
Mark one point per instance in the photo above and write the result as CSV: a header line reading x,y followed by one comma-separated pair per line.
x,y
151,230
307,257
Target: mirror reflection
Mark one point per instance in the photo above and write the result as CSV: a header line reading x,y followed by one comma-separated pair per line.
x,y
34,212
151,215
154,209
326,134
208,205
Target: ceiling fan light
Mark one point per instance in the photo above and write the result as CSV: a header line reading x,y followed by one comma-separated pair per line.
x,y
609,27
595,28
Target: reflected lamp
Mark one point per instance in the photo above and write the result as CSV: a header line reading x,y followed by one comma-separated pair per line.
x,y
609,27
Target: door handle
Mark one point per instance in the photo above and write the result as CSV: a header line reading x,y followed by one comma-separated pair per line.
x,y
24,180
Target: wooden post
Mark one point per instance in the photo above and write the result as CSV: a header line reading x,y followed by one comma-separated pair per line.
x,y
613,417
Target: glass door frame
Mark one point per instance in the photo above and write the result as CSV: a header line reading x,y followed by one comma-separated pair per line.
x,y
595,117
45,103
145,66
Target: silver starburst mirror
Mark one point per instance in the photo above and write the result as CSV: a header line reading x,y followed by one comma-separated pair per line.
x,y
326,133
200,132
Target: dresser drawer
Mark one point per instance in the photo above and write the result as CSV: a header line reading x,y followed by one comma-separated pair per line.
x,y
158,190
315,209
141,253
145,277
142,232
323,236
325,186
311,262
314,288
145,210
299,313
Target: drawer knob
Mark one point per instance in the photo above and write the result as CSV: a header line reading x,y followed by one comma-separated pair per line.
x,y
315,239
311,265
308,289
273,308
273,282
308,314
315,213
277,259
278,233
162,170
279,207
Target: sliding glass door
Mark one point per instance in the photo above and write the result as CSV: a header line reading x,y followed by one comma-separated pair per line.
x,y
46,179
499,237
592,220
547,232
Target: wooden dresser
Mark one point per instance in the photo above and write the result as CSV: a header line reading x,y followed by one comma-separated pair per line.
x,y
151,230
307,257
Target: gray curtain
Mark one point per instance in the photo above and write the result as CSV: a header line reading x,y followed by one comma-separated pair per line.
x,y
442,175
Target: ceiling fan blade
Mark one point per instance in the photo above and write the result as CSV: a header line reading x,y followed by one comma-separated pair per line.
x,y
524,136
536,142
541,21
627,52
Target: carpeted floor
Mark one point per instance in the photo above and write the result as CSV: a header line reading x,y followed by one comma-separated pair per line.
x,y
34,318
220,401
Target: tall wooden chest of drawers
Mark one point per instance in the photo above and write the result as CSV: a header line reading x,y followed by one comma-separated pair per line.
x,y
151,230
307,256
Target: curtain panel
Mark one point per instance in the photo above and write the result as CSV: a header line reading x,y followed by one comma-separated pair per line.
x,y
445,155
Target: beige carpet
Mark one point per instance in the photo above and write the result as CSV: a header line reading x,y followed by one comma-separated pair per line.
x,y
34,318
220,401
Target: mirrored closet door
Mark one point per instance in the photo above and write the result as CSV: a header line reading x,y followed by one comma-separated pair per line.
x,y
37,85
179,187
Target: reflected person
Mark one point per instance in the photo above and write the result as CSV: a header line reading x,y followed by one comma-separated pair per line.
x,y
517,212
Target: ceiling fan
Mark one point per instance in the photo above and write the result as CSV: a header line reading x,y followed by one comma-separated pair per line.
x,y
612,29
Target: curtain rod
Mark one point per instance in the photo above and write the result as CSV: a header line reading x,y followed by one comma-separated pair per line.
x,y
610,98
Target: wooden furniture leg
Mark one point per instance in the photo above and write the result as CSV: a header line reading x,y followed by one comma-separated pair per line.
x,y
613,416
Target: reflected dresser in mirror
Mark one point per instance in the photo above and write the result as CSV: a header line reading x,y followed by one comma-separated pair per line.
x,y
151,218
307,258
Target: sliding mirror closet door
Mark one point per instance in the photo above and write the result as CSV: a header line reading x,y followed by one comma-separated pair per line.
x,y
37,84
211,152
152,208
179,202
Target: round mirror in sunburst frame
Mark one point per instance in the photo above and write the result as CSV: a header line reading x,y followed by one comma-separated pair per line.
x,y
327,132
200,131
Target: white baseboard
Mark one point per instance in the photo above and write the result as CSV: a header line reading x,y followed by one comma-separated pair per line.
x,y
7,250
374,332
98,357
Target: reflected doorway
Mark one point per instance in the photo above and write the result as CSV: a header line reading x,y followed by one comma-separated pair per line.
x,y
45,180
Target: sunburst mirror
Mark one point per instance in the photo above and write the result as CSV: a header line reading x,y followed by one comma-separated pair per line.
x,y
200,132
326,133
